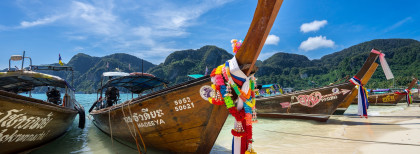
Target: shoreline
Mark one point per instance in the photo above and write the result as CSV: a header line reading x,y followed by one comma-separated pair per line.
x,y
387,130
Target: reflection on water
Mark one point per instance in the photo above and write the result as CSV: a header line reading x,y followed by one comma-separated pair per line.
x,y
88,140
93,140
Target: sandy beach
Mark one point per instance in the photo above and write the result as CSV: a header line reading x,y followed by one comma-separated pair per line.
x,y
389,129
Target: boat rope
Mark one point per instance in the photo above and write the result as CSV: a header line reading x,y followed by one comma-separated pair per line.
x,y
338,138
129,129
138,131
341,79
110,127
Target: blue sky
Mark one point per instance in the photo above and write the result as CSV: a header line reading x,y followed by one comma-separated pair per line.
x,y
153,29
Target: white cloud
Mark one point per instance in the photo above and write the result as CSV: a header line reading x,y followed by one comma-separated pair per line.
x,y
272,40
127,26
2,27
313,43
42,21
78,49
97,19
398,24
312,26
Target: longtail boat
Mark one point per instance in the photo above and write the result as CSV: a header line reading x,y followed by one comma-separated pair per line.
x,y
315,104
179,118
388,99
416,93
27,123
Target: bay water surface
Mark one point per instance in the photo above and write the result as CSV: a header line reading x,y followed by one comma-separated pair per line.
x,y
270,135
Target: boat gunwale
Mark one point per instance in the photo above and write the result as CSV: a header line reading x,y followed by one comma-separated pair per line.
x,y
304,91
16,98
151,95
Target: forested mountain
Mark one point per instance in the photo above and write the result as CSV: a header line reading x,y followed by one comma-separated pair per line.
x,y
88,70
289,70
179,64
403,57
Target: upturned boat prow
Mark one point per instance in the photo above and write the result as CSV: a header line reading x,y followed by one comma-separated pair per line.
x,y
315,104
345,104
180,119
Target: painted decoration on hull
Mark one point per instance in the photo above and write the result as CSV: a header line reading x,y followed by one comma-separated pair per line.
x,y
389,98
314,98
146,118
15,120
206,91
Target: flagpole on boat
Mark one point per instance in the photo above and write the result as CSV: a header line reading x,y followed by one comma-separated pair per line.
x,y
23,59
393,83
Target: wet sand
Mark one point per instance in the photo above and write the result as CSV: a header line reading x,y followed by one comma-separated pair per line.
x,y
392,129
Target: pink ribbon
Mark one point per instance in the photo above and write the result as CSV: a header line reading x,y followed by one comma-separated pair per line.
x,y
285,104
384,64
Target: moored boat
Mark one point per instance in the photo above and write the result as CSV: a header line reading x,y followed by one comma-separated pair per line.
x,y
315,104
27,123
388,99
416,93
179,118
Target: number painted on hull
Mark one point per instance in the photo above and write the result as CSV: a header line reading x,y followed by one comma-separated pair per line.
x,y
183,104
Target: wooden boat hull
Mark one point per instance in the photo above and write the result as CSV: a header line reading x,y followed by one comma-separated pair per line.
x,y
178,120
314,104
389,99
27,123
301,104
416,97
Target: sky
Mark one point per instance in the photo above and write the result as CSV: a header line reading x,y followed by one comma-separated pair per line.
x,y
152,29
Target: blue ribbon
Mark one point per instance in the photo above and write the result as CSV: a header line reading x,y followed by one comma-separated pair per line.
x,y
362,100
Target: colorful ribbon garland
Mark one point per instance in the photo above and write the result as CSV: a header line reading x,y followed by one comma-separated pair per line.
x,y
223,83
407,94
362,103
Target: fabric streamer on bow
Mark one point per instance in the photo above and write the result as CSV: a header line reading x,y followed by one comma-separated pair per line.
x,y
384,64
362,103
407,94
227,80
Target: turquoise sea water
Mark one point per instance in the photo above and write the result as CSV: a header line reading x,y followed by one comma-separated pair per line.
x,y
92,140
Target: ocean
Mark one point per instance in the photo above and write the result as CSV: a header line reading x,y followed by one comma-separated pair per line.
x,y
270,135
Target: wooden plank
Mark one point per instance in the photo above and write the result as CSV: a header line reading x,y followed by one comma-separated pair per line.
x,y
264,17
346,103
26,125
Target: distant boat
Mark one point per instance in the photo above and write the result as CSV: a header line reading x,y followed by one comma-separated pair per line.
x,y
27,123
314,104
416,93
196,76
179,119
387,97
